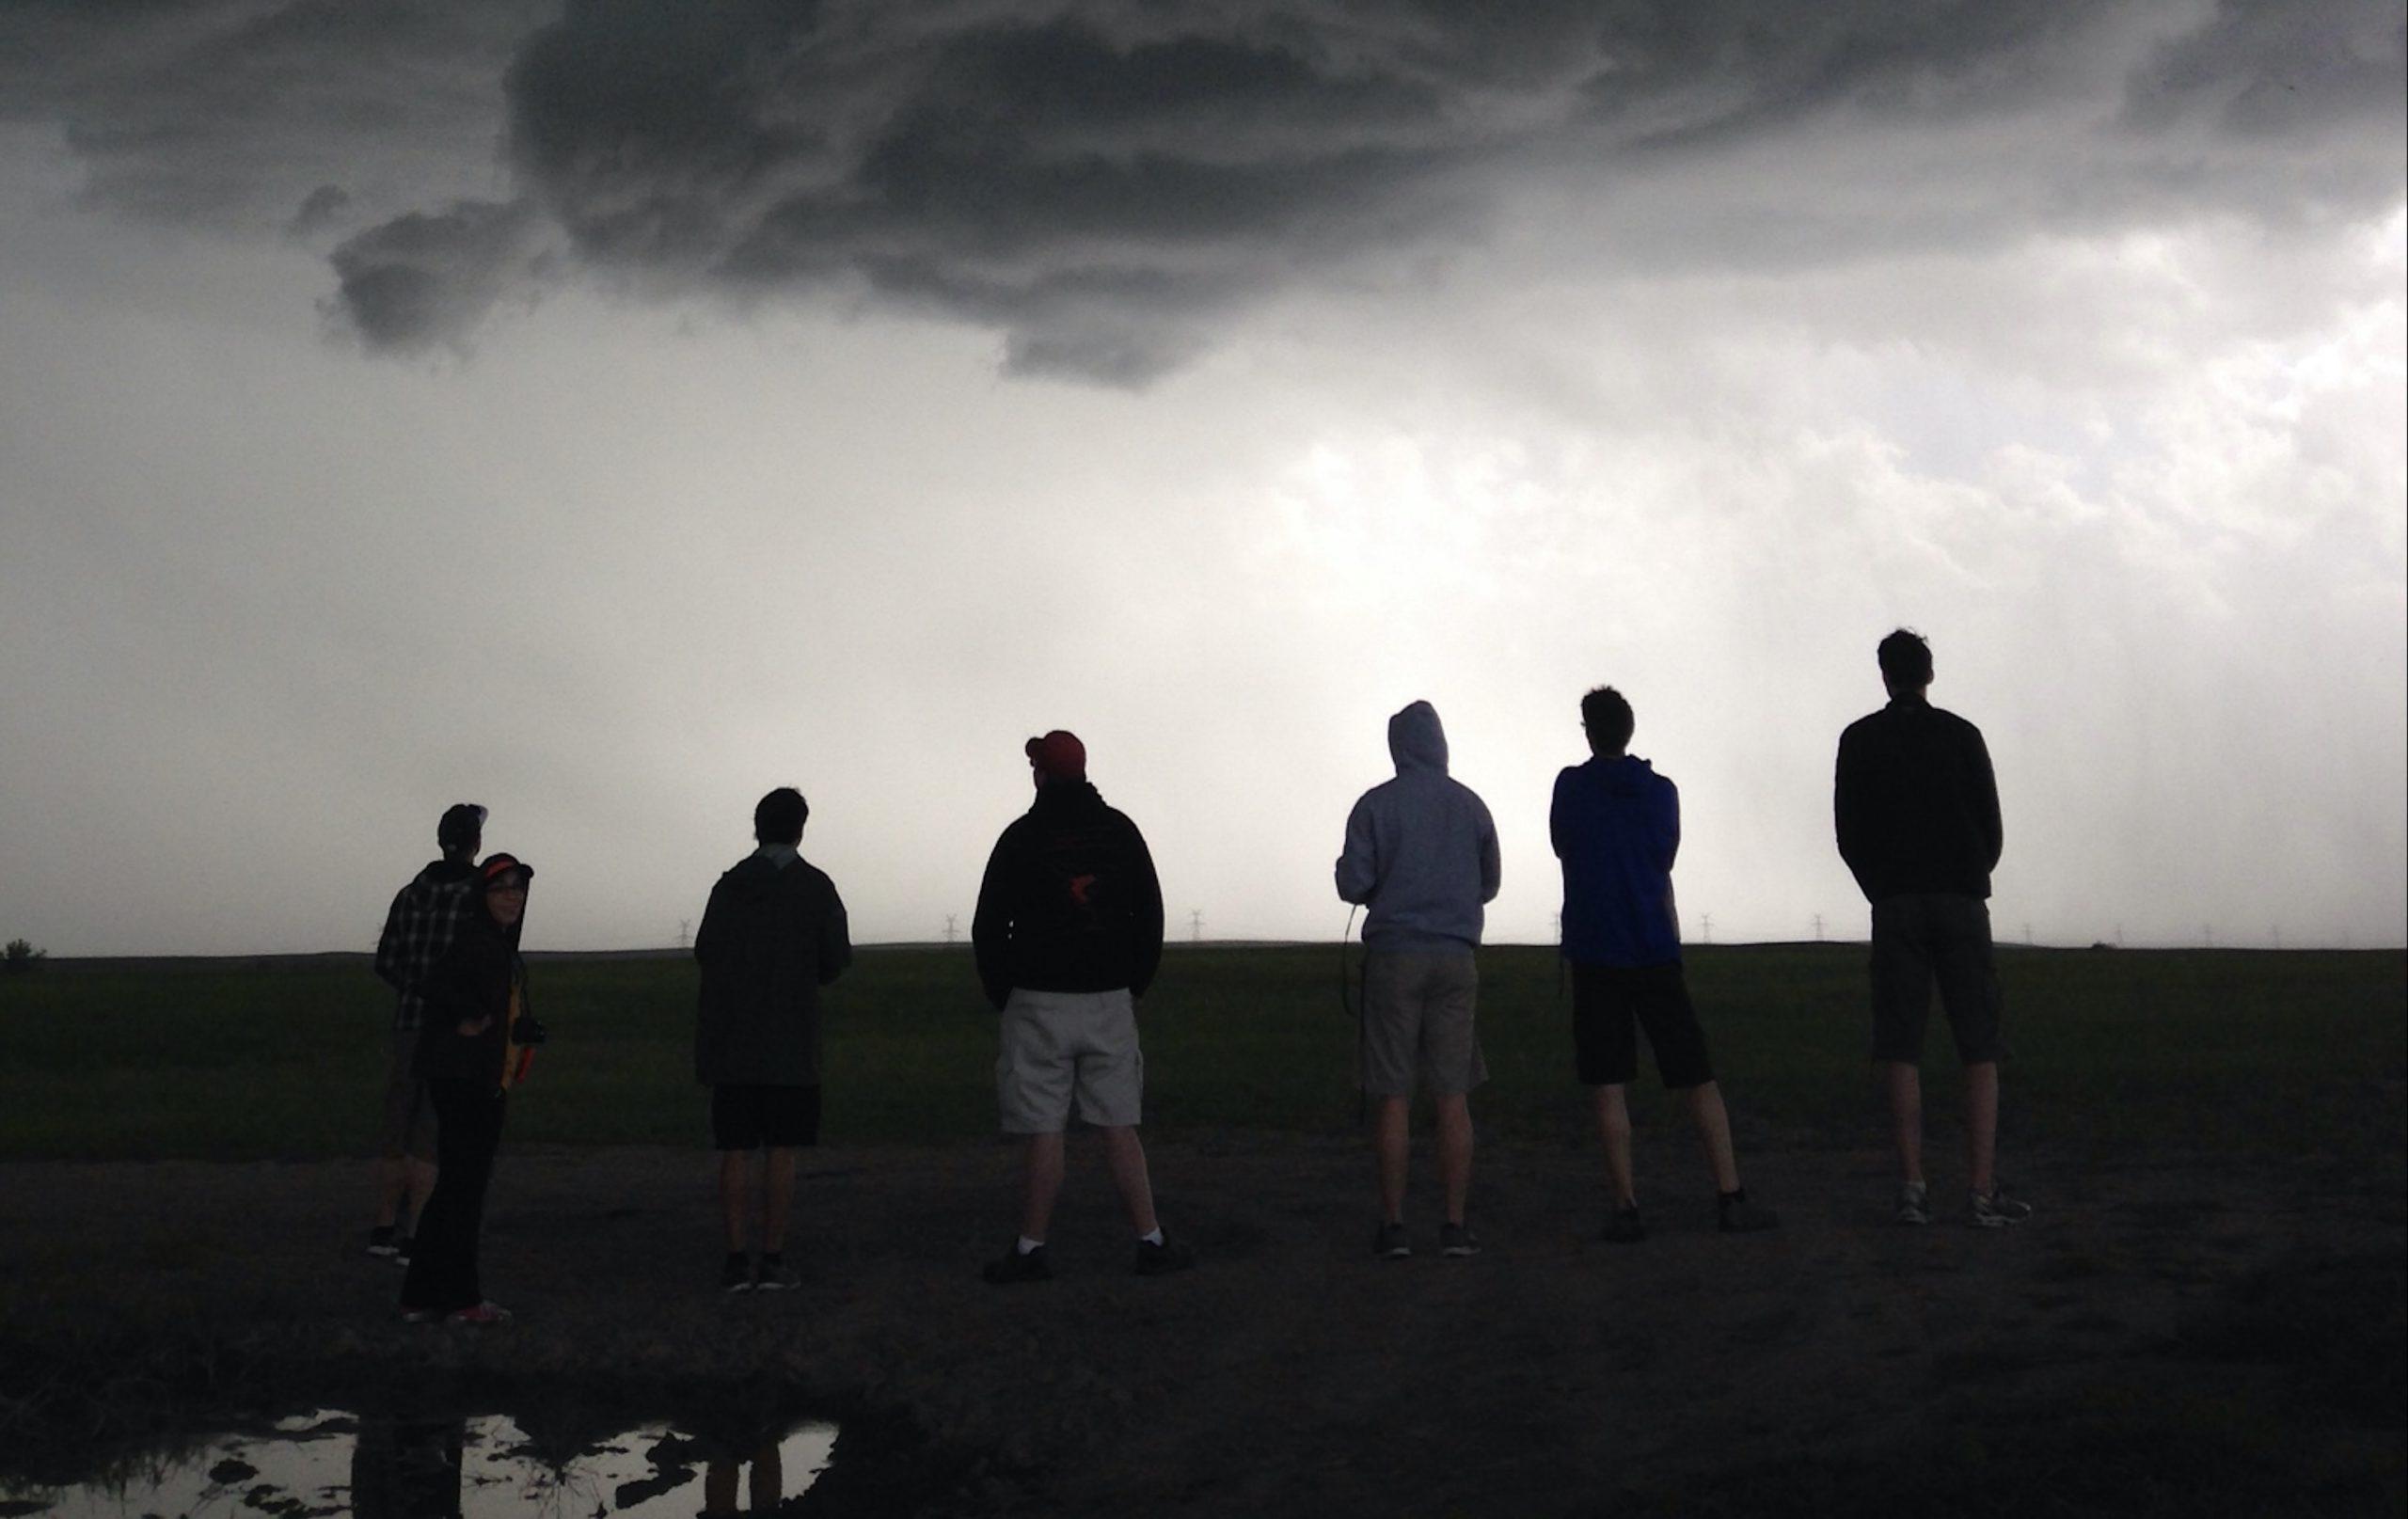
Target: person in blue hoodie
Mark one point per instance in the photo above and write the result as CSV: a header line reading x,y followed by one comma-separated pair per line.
x,y
1616,825
1421,856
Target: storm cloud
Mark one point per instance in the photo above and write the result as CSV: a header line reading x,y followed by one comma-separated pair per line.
x,y
1100,184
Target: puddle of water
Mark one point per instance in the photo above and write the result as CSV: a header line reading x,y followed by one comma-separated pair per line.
x,y
332,1464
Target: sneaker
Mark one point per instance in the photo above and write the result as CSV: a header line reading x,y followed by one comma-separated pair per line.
x,y
1995,1210
1457,1240
380,1242
1623,1225
1015,1267
1161,1260
1914,1203
483,1313
775,1276
1390,1243
401,1255
420,1316
736,1274
1740,1215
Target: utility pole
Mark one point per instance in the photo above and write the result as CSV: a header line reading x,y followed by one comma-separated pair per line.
x,y
1196,926
684,932
2027,936
2119,936
1707,920
948,929
1818,927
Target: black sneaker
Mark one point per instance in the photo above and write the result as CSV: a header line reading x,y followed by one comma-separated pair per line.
x,y
1015,1266
1995,1210
1623,1225
735,1275
1457,1240
1161,1260
1736,1213
1389,1243
775,1276
380,1242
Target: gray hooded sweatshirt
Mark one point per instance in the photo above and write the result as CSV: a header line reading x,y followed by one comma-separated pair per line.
x,y
1420,849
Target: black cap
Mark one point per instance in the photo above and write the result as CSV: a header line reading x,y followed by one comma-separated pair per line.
x,y
499,868
463,826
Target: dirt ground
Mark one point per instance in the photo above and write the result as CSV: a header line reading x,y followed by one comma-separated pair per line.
x,y
2155,1317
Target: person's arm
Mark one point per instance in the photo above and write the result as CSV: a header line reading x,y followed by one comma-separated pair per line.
x,y
1665,826
1358,862
990,926
1985,812
835,938
1491,864
707,937
454,989
1847,805
1557,822
1144,915
388,944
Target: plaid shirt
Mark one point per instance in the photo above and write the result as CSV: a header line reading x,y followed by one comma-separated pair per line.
x,y
425,915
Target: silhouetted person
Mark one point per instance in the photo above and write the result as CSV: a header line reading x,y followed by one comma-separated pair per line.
x,y
1069,934
1916,808
1421,856
470,1049
1616,825
773,935
419,929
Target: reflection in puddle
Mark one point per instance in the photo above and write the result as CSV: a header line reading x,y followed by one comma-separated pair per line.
x,y
381,1467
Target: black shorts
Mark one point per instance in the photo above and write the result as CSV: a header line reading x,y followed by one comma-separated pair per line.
x,y
1925,938
751,1117
1609,1003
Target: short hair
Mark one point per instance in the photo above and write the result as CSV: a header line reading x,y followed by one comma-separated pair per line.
x,y
1906,658
780,816
1607,716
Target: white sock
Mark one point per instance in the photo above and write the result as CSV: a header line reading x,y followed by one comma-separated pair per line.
x,y
1027,1244
1153,1236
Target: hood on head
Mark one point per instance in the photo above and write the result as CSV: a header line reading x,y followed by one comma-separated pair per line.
x,y
1415,741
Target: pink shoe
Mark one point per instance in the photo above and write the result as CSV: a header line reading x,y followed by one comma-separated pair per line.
x,y
483,1313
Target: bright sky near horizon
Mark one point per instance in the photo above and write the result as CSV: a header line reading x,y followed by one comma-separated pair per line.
x,y
606,412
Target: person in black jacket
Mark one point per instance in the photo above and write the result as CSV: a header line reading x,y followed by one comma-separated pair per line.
x,y
1916,808
773,935
473,1045
1068,934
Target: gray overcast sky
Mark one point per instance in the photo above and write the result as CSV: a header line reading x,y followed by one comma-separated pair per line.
x,y
608,412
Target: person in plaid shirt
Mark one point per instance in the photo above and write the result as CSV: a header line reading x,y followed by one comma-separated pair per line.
x,y
419,930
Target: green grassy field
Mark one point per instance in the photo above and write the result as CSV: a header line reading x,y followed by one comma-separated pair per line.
x,y
2239,1051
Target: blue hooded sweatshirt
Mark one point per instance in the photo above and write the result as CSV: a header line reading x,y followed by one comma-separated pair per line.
x,y
1420,849
1616,825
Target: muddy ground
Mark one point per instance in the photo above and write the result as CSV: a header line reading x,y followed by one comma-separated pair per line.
x,y
2164,1335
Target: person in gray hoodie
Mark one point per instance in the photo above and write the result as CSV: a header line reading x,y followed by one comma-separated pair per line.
x,y
773,935
1421,856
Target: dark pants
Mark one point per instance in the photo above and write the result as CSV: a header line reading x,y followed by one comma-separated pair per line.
x,y
443,1258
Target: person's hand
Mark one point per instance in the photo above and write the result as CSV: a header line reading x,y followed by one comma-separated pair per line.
x,y
470,1028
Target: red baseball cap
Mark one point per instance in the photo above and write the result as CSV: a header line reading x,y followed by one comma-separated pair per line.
x,y
1058,754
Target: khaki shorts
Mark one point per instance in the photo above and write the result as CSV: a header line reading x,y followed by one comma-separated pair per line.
x,y
1060,1048
1417,1023
406,1126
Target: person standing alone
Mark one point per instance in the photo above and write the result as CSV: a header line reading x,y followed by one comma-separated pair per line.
x,y
1915,805
1068,933
419,929
1616,825
773,933
1421,855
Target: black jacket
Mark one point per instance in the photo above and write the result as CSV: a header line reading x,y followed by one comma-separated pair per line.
x,y
1915,802
771,937
1069,902
473,981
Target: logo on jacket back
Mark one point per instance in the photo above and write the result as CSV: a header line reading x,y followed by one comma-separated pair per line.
x,y
1079,885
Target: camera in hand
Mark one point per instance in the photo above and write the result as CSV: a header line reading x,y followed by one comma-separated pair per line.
x,y
527,1031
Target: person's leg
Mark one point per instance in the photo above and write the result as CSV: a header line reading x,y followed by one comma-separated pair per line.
x,y
1612,1106
1981,1124
1391,1141
1453,1109
421,1175
1126,1154
777,1197
734,1196
1714,1132
1041,1160
443,1266
1903,1084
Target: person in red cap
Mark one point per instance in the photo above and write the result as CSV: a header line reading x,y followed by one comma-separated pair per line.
x,y
1068,933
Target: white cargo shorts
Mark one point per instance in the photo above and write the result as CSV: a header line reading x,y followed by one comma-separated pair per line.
x,y
1061,1048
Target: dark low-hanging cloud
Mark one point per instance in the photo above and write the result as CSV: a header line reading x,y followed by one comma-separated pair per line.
x,y
1100,181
